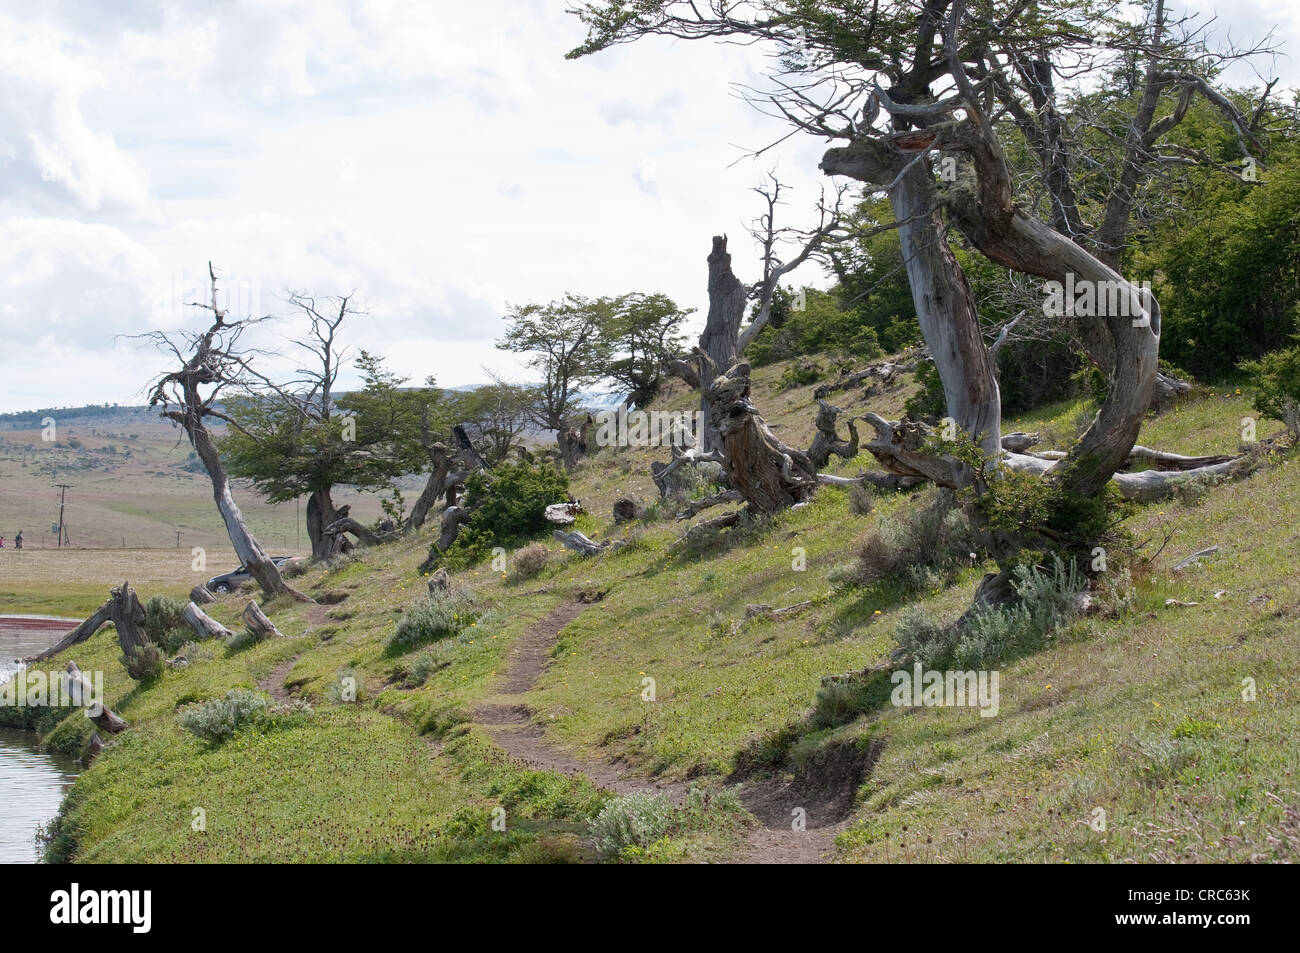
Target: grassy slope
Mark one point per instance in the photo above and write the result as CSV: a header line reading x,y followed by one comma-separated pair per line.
x,y
1142,716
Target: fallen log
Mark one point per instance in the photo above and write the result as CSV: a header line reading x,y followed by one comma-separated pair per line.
x,y
93,623
579,542
204,626
257,622
1019,441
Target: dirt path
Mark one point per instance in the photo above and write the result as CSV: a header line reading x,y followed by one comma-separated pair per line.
x,y
509,721
273,684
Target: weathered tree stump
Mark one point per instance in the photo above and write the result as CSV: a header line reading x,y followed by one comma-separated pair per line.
x,y
81,693
625,510
827,441
128,617
257,622
204,626
440,581
200,595
579,542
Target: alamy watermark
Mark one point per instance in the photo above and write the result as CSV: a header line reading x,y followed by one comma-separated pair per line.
x,y
649,428
934,689
1085,298
36,688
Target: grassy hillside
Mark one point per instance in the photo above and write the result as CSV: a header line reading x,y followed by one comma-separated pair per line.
x,y
1139,714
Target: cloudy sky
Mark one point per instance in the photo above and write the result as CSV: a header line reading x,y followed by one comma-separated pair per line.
x,y
441,159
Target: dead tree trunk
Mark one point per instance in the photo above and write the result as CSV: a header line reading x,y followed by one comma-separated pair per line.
x,y
94,622
768,474
200,595
204,626
827,442
728,298
128,616
257,622
250,552
82,694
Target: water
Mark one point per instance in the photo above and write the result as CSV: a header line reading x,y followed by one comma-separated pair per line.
x,y
32,782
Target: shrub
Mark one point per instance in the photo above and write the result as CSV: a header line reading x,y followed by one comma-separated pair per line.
x,y
861,499
347,687
438,615
529,561
935,537
508,505
800,374
145,664
219,718
164,623
1277,379
636,820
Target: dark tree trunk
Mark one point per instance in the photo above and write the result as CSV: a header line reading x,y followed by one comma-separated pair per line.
x,y
321,512
128,616
728,298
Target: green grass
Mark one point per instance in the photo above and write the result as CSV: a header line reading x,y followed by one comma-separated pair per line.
x,y
1140,716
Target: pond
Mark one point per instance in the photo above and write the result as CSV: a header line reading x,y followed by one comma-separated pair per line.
x,y
32,781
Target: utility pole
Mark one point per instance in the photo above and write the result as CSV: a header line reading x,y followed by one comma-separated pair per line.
x,y
63,490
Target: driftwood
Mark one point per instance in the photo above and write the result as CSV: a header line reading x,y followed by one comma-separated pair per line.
x,y
82,694
200,595
885,371
692,456
204,626
563,513
1195,558
258,623
128,617
94,622
580,543
827,442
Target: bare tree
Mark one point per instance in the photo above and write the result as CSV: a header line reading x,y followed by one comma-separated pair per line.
x,y
212,362
723,339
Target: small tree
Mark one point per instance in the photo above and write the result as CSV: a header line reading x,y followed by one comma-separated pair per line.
x,y
643,333
564,345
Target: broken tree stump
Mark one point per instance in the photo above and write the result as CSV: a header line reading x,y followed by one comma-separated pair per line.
x,y
257,622
81,693
200,595
579,542
440,581
204,626
128,618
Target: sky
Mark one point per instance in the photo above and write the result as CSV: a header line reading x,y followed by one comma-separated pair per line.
x,y
440,160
